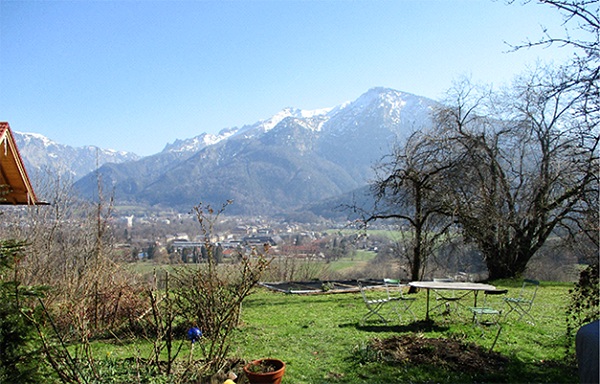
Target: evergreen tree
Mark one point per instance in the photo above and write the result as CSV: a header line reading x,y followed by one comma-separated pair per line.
x,y
19,354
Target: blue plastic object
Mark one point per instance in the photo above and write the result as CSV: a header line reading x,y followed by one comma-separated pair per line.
x,y
194,334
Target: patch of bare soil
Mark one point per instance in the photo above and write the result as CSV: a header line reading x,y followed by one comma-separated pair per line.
x,y
450,354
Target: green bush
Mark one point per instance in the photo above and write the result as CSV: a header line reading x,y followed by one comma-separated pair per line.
x,y
584,301
19,347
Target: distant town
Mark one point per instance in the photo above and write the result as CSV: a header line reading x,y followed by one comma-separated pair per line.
x,y
179,238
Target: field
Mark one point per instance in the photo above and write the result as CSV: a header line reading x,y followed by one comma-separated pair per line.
x,y
358,261
320,339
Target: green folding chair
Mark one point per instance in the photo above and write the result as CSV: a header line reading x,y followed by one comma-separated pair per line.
x,y
522,304
490,312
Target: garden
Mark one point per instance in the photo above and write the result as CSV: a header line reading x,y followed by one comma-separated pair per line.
x,y
320,339
101,322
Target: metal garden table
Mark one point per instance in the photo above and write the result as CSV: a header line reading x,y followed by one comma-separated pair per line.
x,y
457,286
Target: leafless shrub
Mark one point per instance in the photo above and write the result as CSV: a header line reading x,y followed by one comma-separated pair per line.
x,y
210,297
70,249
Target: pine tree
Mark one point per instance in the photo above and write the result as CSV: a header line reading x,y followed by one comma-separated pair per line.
x,y
19,352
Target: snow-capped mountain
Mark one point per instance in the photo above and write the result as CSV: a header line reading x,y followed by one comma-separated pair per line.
x,y
198,142
247,131
293,158
39,154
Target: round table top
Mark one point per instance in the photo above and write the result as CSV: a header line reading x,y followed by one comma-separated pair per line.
x,y
461,286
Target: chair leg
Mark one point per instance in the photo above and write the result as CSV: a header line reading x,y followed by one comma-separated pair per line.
x,y
532,322
478,323
496,339
411,312
514,307
394,306
495,321
373,311
406,309
520,310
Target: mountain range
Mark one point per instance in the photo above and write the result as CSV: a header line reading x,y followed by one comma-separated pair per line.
x,y
41,155
292,160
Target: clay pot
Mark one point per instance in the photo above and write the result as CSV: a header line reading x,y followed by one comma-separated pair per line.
x,y
274,377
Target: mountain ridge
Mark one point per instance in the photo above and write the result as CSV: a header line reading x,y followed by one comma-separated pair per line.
x,y
41,154
277,165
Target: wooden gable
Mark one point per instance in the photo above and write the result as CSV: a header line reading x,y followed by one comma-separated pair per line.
x,y
15,186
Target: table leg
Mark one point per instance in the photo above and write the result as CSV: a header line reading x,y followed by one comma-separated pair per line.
x,y
427,312
475,303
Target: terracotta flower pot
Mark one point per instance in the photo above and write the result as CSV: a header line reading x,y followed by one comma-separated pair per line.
x,y
274,377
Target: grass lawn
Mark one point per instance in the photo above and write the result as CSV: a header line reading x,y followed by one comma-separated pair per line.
x,y
357,261
321,341
391,234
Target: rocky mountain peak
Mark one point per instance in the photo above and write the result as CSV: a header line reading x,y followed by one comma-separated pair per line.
x,y
198,142
293,158
40,153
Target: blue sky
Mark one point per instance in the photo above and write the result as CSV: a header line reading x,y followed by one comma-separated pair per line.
x,y
136,75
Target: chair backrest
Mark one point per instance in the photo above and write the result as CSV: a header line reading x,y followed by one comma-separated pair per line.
x,y
393,288
369,292
362,291
529,290
495,298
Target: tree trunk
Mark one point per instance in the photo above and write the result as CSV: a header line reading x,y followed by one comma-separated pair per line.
x,y
416,259
505,264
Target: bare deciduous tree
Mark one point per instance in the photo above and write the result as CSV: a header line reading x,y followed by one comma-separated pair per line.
x,y
524,161
71,249
581,22
404,191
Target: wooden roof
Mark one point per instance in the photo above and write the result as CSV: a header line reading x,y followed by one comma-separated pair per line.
x,y
15,187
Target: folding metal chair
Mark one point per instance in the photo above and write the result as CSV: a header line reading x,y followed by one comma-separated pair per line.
x,y
522,304
375,305
394,292
490,312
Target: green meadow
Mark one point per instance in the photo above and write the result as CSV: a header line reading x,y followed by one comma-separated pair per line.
x,y
321,340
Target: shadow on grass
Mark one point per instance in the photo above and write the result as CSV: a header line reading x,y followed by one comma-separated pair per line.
x,y
514,372
417,326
